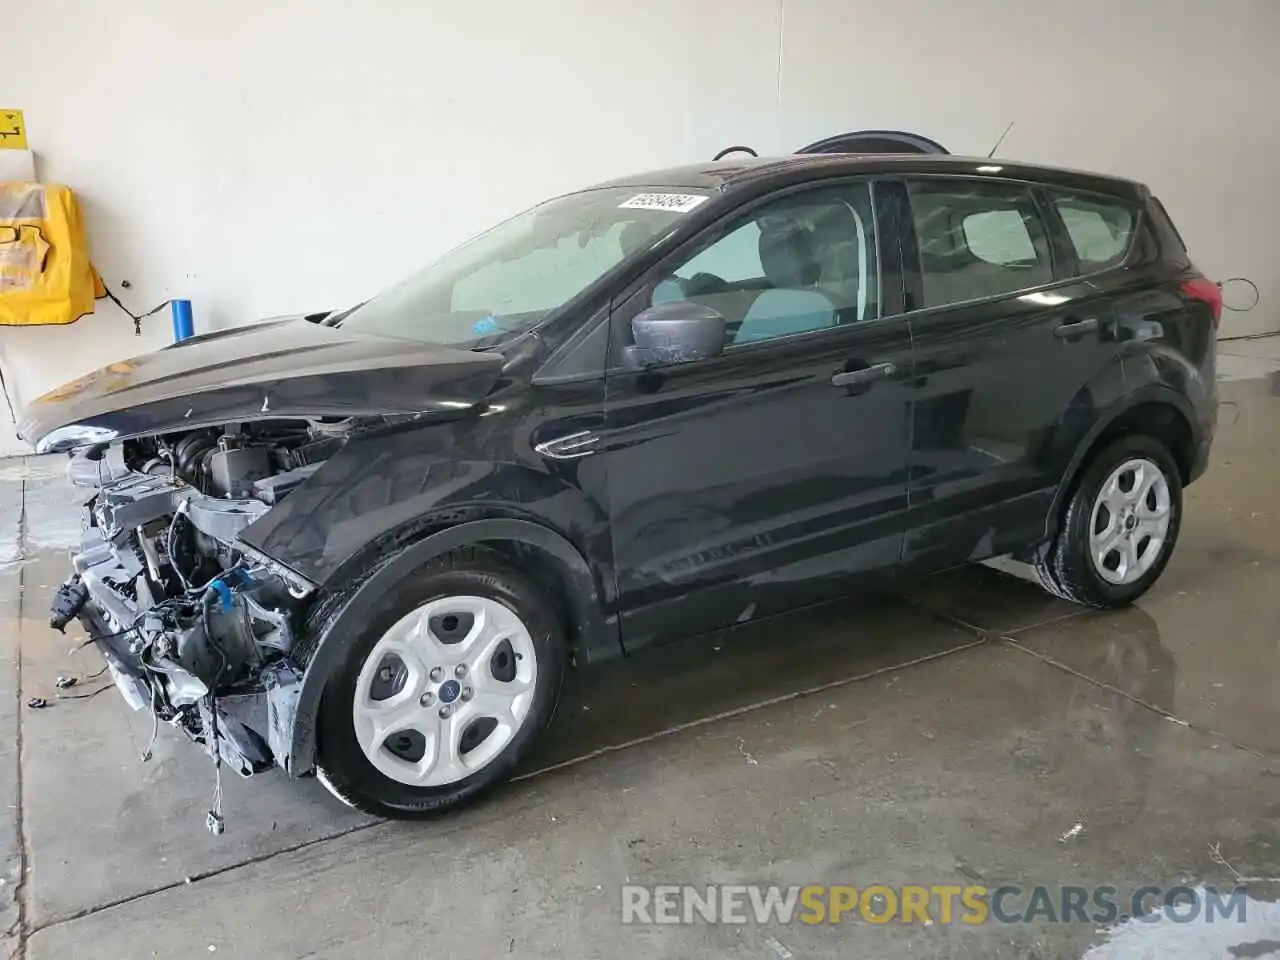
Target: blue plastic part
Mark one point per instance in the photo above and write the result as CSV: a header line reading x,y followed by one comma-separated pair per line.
x,y
485,326
233,579
223,590
183,325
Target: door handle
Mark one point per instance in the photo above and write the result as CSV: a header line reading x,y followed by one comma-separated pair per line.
x,y
1075,328
852,378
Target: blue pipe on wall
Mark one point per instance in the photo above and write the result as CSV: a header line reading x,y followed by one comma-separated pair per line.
x,y
183,325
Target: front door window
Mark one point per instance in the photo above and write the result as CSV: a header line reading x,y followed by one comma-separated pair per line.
x,y
799,264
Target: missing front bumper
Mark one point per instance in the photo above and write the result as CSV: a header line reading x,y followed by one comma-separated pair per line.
x,y
254,724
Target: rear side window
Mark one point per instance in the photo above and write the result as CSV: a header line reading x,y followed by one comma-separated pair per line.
x,y
1100,229
977,239
998,236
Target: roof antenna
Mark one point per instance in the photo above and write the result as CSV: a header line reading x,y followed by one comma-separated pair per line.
x,y
1000,141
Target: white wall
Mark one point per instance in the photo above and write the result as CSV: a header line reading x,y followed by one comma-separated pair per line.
x,y
261,159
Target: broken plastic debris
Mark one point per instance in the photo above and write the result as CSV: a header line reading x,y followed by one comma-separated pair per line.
x,y
776,946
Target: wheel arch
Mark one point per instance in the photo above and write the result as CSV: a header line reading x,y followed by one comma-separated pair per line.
x,y
1157,411
558,567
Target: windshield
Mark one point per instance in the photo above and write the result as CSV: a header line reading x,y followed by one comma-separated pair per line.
x,y
506,280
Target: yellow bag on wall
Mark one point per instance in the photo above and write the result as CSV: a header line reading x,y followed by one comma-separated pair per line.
x,y
45,273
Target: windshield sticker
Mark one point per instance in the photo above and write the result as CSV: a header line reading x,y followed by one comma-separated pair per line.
x,y
485,326
671,202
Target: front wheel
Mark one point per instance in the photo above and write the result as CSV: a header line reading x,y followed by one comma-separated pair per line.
x,y
1119,528
442,693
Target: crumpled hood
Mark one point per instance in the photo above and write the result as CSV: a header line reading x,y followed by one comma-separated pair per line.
x,y
268,370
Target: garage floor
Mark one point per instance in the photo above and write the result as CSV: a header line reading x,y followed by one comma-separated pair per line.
x,y
972,730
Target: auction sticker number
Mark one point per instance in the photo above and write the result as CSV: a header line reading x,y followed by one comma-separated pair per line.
x,y
671,202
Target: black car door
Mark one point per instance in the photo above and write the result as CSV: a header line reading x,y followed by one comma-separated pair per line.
x,y
1007,349
772,475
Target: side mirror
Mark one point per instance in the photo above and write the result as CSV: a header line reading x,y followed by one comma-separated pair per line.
x,y
676,332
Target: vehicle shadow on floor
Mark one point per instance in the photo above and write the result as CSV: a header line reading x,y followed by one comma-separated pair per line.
x,y
666,688
669,687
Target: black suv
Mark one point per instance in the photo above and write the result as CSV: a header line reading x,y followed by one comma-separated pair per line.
x,y
365,544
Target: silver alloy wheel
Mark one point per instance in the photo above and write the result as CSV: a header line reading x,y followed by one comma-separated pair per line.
x,y
1130,521
444,690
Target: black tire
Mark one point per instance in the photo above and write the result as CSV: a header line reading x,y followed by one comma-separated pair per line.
x,y
341,763
1065,568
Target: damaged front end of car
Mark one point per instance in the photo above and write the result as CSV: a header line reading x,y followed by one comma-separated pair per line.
x,y
196,627
185,450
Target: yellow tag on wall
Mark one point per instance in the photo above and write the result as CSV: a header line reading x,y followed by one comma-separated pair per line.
x,y
13,130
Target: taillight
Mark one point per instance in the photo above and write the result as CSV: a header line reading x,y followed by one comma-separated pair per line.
x,y
1202,288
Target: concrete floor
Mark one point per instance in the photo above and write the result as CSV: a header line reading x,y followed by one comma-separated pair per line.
x,y
952,735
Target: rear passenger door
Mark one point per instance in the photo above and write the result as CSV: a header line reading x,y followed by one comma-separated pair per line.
x,y
1008,352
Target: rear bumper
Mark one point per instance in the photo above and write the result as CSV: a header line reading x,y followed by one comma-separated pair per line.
x,y
1208,417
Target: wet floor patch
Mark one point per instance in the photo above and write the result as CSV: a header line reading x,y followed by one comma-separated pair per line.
x,y
39,509
1242,927
1248,358
968,769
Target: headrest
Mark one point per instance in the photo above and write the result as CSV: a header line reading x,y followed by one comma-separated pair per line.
x,y
787,254
635,237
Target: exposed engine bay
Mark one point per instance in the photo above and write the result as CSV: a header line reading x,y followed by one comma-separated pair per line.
x,y
195,628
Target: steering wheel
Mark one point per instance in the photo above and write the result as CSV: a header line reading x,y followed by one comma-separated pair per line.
x,y
728,150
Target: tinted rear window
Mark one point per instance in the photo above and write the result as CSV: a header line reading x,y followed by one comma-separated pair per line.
x,y
1100,228
977,239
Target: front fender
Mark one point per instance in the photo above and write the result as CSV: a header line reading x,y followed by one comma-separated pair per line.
x,y
597,639
376,487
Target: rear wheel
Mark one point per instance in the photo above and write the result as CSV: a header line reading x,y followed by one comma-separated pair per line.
x,y
444,690
1119,527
